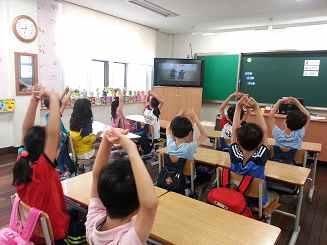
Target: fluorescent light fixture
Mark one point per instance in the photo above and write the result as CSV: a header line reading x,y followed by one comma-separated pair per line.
x,y
209,34
153,7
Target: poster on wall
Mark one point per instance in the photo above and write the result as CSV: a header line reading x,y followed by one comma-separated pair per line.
x,y
311,68
7,105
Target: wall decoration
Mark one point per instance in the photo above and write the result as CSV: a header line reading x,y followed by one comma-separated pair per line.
x,y
25,28
7,105
26,72
50,69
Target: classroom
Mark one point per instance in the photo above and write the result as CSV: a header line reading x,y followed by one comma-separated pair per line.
x,y
163,122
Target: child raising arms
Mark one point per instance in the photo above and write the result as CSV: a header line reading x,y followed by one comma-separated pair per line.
x,y
227,118
123,200
289,138
152,113
117,113
34,174
249,152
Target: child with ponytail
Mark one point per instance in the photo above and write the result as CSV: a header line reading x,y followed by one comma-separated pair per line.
x,y
118,119
152,113
34,174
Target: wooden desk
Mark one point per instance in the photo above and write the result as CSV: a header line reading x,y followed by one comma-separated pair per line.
x,y
316,148
136,118
306,146
279,171
78,188
182,220
274,170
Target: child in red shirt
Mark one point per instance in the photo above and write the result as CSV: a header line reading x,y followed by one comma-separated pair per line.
x,y
35,177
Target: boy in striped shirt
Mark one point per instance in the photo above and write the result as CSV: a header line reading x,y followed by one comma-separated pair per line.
x,y
249,152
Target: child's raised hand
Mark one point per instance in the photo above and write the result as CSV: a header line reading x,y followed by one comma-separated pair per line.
x,y
181,113
36,92
45,92
116,136
292,100
252,103
243,101
238,94
191,114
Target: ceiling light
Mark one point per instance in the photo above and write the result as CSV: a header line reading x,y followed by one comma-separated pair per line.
x,y
153,7
209,34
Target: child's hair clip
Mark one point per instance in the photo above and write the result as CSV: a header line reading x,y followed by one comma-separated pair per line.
x,y
23,153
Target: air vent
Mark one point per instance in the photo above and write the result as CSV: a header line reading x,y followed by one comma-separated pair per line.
x,y
153,7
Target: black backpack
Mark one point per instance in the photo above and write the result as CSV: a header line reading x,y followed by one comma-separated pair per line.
x,y
145,144
171,177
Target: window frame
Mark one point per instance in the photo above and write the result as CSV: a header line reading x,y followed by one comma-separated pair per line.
x,y
107,68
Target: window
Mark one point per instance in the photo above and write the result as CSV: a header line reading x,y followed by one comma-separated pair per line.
x,y
99,75
117,75
139,77
132,77
136,77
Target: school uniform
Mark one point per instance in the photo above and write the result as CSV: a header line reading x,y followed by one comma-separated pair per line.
x,y
255,165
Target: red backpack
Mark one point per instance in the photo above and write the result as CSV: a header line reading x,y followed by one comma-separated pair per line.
x,y
229,198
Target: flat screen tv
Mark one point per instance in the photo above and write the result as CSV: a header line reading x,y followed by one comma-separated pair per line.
x,y
178,72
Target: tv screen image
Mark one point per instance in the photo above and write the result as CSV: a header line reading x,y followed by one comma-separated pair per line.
x,y
178,72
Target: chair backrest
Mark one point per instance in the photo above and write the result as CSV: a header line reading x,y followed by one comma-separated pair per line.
x,y
299,157
43,228
254,188
174,159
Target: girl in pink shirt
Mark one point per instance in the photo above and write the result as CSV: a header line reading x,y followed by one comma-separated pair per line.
x,y
118,119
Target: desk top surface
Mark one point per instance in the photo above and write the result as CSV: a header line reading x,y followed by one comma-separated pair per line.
x,y
306,146
136,118
280,171
182,220
79,188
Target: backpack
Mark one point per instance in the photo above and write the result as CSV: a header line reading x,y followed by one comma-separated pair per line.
x,y
146,145
76,234
171,177
229,198
17,233
64,160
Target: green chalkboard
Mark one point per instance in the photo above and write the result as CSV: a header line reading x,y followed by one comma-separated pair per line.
x,y
220,76
270,76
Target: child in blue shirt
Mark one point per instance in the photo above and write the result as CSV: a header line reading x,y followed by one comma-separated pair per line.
x,y
64,165
249,152
289,138
180,140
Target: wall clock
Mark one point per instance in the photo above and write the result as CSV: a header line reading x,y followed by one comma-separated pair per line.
x,y
25,28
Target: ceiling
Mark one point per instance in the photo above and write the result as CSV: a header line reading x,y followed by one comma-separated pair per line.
x,y
214,15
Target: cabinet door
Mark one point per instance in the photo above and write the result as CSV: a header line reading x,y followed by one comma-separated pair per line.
x,y
177,99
